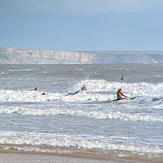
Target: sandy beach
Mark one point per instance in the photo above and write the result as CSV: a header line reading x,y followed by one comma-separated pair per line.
x,y
14,154
41,158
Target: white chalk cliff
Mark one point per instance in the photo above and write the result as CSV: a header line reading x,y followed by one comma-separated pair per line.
x,y
29,56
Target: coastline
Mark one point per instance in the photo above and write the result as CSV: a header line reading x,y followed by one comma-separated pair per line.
x,y
37,158
34,154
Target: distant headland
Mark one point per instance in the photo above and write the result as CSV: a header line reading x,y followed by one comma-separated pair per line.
x,y
30,56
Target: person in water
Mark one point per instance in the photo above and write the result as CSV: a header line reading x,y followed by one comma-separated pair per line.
x,y
36,89
122,77
83,88
120,95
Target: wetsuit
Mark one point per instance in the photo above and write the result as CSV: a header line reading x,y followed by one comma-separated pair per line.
x,y
82,89
73,93
120,95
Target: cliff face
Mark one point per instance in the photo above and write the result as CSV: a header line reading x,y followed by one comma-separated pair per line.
x,y
28,56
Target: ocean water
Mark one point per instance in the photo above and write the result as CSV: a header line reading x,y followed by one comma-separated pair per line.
x,y
88,120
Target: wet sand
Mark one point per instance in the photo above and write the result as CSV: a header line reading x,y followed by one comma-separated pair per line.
x,y
41,158
19,154
19,157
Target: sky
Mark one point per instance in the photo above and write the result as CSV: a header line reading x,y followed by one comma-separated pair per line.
x,y
77,25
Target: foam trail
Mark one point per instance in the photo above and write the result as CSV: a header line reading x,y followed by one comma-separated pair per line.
x,y
27,96
89,114
80,144
99,90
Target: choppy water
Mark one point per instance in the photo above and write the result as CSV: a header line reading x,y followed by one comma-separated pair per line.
x,y
86,120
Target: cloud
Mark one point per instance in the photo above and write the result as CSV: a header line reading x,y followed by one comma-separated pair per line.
x,y
83,6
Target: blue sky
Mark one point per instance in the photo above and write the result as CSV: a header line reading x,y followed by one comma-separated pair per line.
x,y
75,25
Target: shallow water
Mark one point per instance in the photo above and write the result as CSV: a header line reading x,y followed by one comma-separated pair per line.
x,y
87,120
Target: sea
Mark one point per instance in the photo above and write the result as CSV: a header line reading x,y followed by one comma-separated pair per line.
x,y
49,120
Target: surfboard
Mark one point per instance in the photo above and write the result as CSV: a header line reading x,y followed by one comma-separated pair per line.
x,y
134,96
129,98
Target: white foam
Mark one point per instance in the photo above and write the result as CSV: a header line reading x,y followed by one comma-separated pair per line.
x,y
27,96
89,114
146,89
81,144
99,90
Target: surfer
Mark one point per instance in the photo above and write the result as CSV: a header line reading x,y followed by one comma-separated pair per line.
x,y
36,89
120,95
122,77
83,88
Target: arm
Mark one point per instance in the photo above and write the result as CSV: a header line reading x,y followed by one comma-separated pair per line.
x,y
124,95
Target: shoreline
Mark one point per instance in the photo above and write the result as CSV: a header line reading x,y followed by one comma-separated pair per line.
x,y
71,154
44,158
